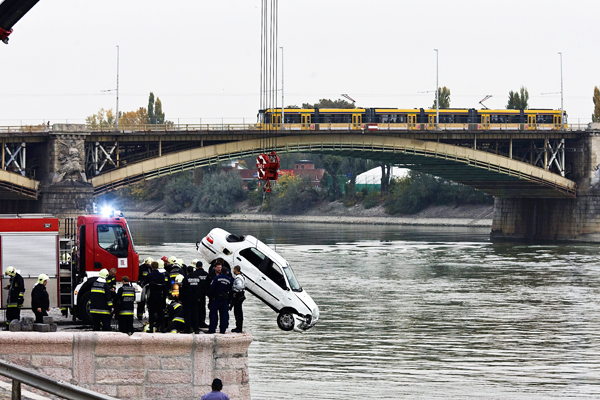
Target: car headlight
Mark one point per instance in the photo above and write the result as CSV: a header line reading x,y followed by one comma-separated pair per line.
x,y
315,313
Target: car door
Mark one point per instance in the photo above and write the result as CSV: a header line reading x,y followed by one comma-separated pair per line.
x,y
262,276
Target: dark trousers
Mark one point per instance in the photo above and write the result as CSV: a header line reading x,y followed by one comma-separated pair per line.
x,y
190,314
238,313
39,316
202,311
156,309
176,326
101,322
219,311
12,313
126,323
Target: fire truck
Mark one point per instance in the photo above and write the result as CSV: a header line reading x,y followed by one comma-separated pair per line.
x,y
32,244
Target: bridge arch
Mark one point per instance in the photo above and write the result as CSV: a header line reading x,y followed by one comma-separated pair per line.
x,y
14,186
494,174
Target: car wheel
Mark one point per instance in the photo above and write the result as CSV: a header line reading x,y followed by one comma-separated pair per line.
x,y
83,308
285,320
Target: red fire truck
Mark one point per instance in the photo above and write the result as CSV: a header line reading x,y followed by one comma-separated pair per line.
x,y
32,244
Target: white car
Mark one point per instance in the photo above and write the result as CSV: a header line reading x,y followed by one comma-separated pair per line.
x,y
268,276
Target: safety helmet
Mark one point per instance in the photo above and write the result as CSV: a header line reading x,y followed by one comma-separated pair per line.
x,y
10,271
103,273
172,260
180,262
194,261
164,259
66,257
148,260
179,278
42,278
161,264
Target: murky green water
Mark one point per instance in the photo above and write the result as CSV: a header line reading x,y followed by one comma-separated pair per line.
x,y
409,312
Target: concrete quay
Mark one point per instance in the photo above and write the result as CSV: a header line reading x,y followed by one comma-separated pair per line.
x,y
140,366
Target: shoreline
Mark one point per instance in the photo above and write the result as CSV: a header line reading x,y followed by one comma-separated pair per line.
x,y
321,219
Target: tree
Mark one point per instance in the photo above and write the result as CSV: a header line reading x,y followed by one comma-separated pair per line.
x,y
181,192
444,95
332,165
158,112
151,117
518,101
102,120
327,103
219,192
596,98
134,118
386,170
293,195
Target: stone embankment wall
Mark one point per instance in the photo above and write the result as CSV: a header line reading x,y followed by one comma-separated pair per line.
x,y
141,366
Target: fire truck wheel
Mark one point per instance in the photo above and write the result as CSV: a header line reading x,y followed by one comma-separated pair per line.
x,y
83,308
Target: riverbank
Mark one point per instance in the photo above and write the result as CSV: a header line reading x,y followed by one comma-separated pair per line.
x,y
330,213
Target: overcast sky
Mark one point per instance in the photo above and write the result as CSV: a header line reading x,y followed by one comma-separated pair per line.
x,y
202,58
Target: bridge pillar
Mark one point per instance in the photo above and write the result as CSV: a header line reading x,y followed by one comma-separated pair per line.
x,y
576,219
65,191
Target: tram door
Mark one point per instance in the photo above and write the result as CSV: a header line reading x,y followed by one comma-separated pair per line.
x,y
412,121
485,122
305,119
356,121
557,122
431,121
531,122
276,121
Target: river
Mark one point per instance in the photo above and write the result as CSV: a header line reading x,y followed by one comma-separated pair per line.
x,y
417,313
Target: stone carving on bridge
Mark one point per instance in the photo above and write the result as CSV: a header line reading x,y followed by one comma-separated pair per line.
x,y
70,161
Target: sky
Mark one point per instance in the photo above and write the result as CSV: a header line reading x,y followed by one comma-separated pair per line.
x,y
202,58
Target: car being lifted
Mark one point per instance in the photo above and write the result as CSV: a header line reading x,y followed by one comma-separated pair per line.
x,y
268,276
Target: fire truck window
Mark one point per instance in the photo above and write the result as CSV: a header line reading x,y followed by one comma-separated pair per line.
x,y
113,238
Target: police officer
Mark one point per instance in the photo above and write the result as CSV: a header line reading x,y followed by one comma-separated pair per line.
x,y
16,291
126,300
220,293
175,311
189,294
40,301
201,274
156,282
101,302
239,284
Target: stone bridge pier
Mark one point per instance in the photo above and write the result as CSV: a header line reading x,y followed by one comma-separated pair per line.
x,y
64,189
567,219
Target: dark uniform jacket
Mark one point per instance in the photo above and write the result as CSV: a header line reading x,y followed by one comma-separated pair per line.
x,y
112,282
126,299
157,282
143,271
204,283
101,298
40,298
175,310
16,291
190,288
221,287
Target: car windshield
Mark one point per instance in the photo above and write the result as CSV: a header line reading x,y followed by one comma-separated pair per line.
x,y
294,285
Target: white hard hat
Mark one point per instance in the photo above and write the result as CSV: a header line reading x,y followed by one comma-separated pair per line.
x,y
194,261
42,278
179,278
161,264
172,260
180,262
10,271
103,273
148,260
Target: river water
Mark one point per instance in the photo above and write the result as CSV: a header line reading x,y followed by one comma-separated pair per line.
x,y
417,313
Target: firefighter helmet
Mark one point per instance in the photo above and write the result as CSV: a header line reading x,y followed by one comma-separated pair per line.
x,y
180,262
194,261
161,264
172,260
42,278
66,257
148,260
164,259
179,278
10,271
103,273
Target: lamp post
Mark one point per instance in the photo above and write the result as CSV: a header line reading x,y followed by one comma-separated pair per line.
x,y
117,116
437,93
282,103
562,110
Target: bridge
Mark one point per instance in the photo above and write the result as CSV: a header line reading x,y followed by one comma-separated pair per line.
x,y
531,173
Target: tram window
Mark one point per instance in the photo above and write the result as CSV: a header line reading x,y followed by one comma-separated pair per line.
x,y
292,119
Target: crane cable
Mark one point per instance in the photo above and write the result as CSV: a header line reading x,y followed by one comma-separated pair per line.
x,y
268,67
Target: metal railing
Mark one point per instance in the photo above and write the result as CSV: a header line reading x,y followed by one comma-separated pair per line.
x,y
34,379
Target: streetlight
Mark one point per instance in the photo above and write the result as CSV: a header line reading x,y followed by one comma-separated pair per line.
x,y
437,93
282,97
562,110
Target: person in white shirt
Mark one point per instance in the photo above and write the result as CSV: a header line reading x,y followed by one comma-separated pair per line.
x,y
239,283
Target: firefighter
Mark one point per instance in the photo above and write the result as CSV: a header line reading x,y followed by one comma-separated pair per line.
x,y
175,311
40,301
220,293
156,282
101,302
144,270
112,280
126,300
189,293
16,291
201,274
